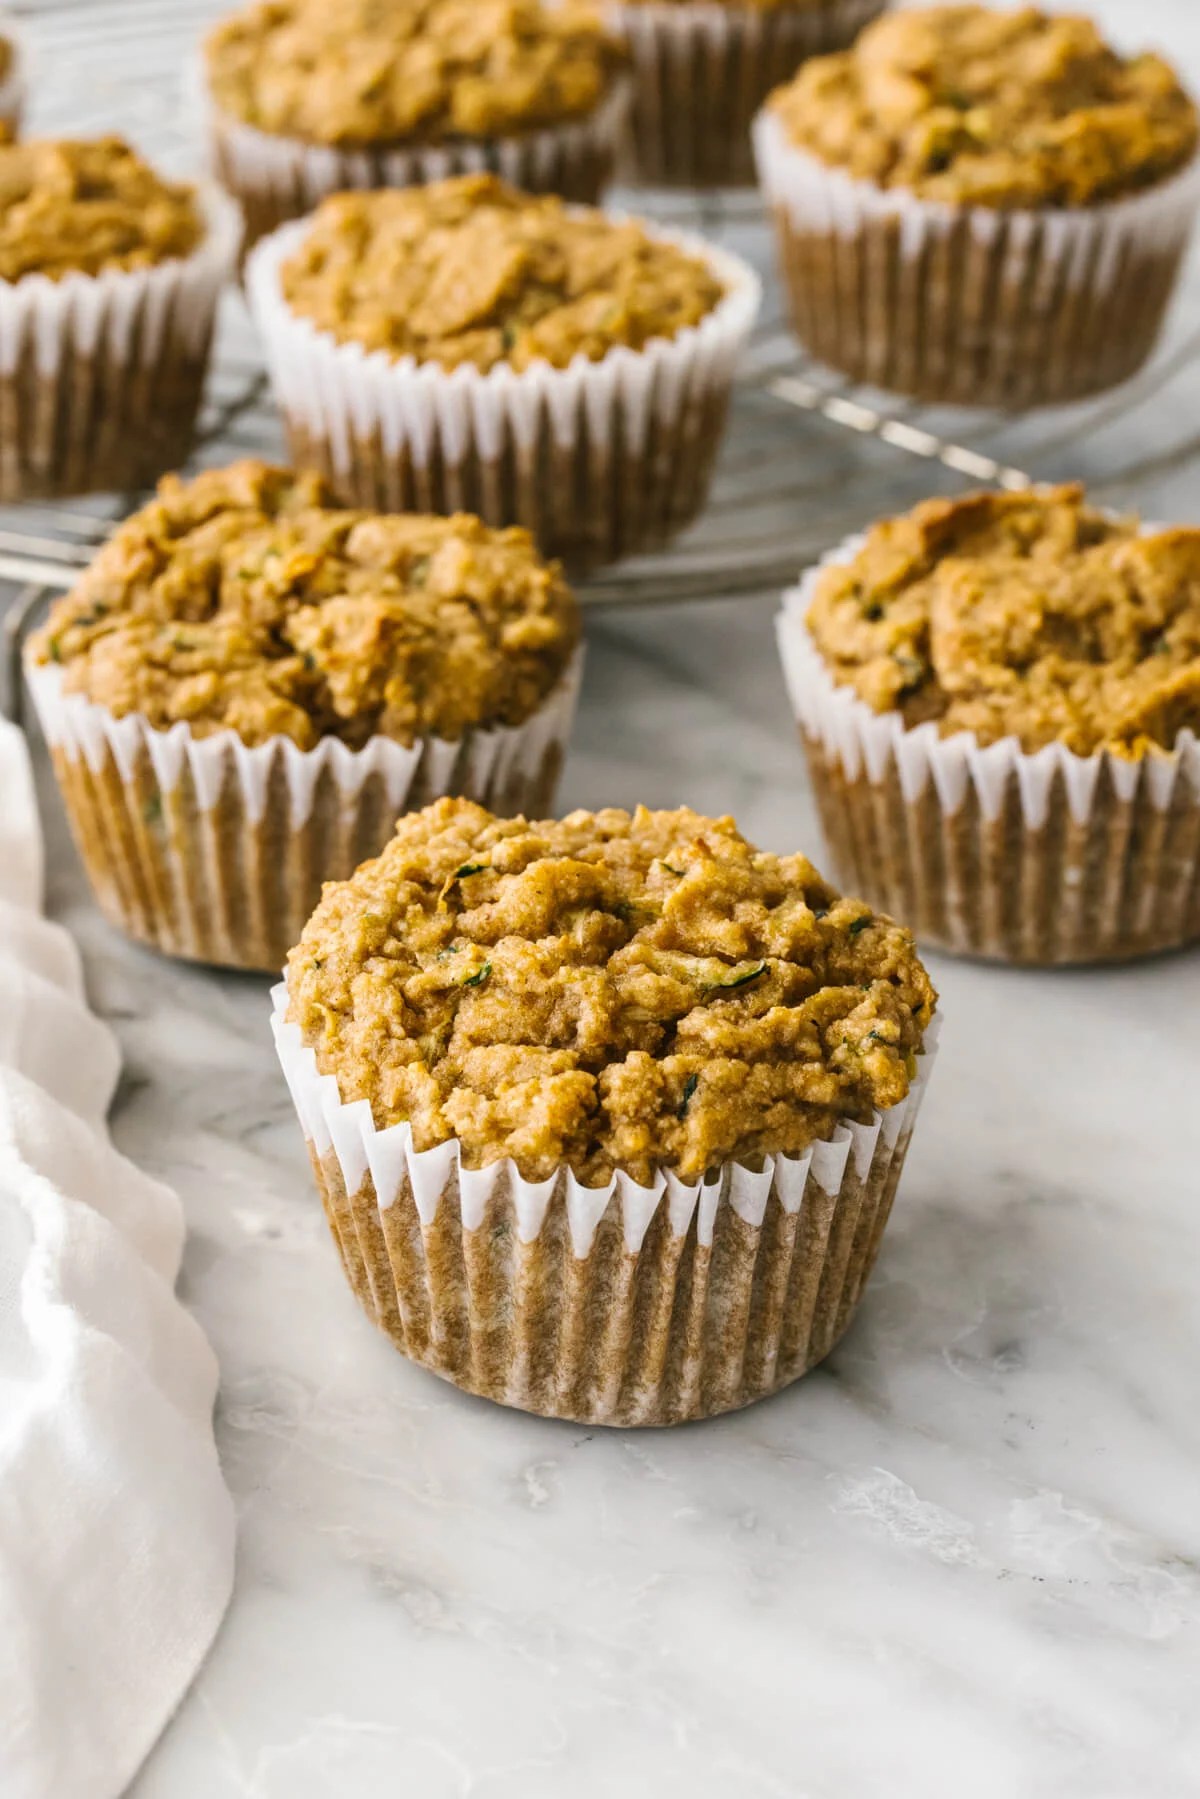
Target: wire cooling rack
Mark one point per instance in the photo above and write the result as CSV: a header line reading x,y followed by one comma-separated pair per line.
x,y
806,460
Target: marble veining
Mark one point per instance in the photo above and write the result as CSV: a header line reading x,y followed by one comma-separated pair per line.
x,y
960,1561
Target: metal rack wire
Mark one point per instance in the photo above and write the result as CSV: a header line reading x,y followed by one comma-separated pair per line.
x,y
807,459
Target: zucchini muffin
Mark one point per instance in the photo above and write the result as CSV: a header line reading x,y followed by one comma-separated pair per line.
x,y
305,98
251,682
618,1104
978,206
92,240
466,345
1000,699
702,69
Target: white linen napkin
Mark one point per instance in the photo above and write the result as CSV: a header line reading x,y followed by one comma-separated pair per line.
x,y
116,1528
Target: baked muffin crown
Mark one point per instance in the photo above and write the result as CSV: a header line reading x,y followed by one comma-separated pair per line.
x,y
612,991
247,599
1010,109
85,206
392,71
1027,615
473,271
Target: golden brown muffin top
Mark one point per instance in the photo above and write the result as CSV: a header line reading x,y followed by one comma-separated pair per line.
x,y
248,600
613,992
87,206
392,71
1007,109
471,270
1021,615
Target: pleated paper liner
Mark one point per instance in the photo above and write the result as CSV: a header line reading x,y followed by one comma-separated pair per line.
x,y
204,848
101,376
621,1305
972,305
277,178
1036,858
702,70
599,460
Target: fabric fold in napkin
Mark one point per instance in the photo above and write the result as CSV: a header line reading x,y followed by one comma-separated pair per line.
x,y
116,1528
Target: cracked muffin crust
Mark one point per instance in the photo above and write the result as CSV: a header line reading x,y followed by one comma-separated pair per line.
x,y
248,599
1027,615
88,206
1008,109
371,72
471,270
612,992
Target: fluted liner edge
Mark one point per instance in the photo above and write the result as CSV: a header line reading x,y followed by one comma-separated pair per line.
x,y
624,1305
211,851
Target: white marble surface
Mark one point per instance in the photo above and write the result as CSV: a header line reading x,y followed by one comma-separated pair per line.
x,y
960,1560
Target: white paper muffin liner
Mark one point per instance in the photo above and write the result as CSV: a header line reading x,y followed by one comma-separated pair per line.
x,y
990,850
101,376
598,460
972,304
701,71
622,1304
210,849
276,178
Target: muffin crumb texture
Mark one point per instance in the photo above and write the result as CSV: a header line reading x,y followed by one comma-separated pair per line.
x,y
613,992
472,271
992,108
247,599
1029,615
84,207
391,71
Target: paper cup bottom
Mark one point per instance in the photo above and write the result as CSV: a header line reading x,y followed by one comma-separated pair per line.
x,y
1121,883
677,1329
221,886
101,376
588,502
207,850
98,423
702,70
972,305
275,178
948,325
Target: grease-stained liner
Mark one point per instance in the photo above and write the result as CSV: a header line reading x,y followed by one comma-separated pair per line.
x,y
701,72
598,460
1039,858
972,305
624,1304
276,178
101,376
205,848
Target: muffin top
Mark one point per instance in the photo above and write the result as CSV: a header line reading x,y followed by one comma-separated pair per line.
x,y
1005,109
471,270
248,600
615,991
390,71
82,207
1027,615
